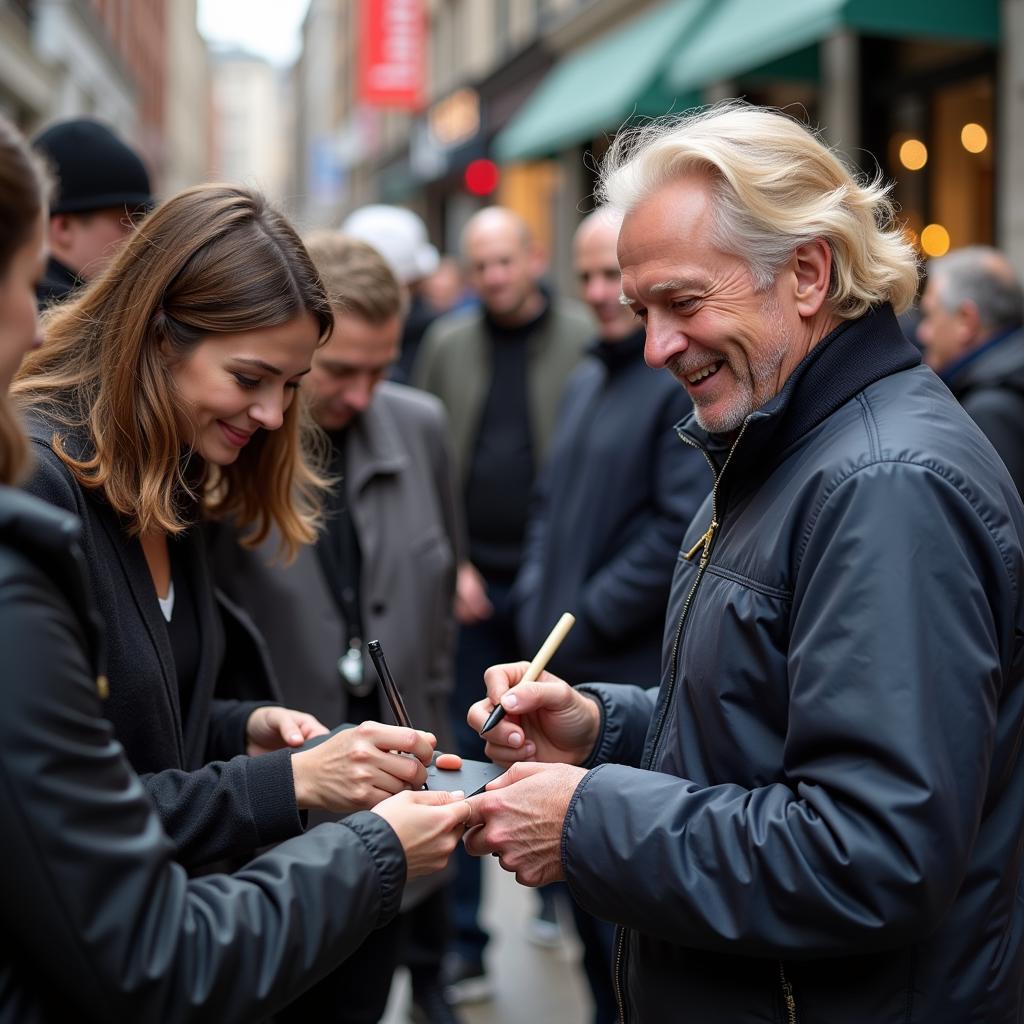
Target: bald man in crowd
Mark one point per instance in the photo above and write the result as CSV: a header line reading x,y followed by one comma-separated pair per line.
x,y
500,369
971,316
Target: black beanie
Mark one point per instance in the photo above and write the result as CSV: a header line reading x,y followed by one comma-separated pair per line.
x,y
95,170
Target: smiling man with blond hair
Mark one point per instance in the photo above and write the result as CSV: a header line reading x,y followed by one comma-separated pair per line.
x,y
817,816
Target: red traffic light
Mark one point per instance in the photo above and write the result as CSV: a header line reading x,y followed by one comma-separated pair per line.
x,y
481,177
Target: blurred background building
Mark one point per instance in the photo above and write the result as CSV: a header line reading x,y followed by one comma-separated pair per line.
x,y
446,105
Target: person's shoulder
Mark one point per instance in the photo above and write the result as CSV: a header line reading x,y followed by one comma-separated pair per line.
x,y
574,317
411,408
36,538
458,325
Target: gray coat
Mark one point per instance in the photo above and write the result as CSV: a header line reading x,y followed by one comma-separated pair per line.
x,y
401,495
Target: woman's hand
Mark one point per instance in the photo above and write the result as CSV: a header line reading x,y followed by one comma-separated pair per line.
x,y
546,720
357,768
271,728
429,825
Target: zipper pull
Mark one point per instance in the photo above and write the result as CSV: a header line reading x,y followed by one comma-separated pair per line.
x,y
704,542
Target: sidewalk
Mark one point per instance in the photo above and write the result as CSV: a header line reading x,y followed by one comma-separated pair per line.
x,y
543,986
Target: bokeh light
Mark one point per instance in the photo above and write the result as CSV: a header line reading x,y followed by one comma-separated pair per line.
x,y
973,137
913,154
935,240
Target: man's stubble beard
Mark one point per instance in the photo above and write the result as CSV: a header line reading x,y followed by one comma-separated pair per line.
x,y
756,388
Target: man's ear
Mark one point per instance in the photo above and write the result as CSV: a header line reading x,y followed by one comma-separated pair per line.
x,y
811,267
968,322
61,231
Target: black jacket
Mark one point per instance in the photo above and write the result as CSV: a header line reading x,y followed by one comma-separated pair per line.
x,y
991,389
98,921
214,802
57,283
824,797
611,506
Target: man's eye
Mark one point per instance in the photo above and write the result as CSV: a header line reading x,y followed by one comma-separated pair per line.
x,y
249,383
684,305
639,313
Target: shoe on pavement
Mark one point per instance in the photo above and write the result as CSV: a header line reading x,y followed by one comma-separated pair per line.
x,y
465,981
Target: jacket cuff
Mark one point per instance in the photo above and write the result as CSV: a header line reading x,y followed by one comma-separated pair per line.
x,y
387,855
271,788
604,748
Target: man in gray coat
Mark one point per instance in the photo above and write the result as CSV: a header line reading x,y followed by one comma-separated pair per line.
x,y
382,569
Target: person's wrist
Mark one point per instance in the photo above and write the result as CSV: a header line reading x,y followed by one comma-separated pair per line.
x,y
301,778
592,710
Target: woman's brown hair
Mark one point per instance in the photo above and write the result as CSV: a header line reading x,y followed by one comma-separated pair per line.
x,y
24,189
214,259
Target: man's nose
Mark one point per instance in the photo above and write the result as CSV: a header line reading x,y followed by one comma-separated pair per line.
x,y
663,341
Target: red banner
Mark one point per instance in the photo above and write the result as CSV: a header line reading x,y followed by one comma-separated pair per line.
x,y
392,53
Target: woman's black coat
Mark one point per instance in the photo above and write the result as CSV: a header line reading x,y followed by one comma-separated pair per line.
x,y
97,920
213,803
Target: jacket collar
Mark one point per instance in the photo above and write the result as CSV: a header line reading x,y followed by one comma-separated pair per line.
x,y
989,363
617,354
374,444
845,362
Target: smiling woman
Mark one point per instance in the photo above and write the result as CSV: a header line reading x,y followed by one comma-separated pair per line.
x,y
165,395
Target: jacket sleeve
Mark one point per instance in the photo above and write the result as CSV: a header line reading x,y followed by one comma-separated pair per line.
x,y
999,412
903,618
226,809
625,718
631,589
94,905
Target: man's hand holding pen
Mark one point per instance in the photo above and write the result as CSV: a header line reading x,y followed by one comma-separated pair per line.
x,y
546,720
519,817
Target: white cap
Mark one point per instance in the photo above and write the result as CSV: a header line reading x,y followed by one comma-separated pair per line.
x,y
398,235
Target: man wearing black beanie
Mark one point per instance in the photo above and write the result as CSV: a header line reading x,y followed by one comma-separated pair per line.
x,y
101,186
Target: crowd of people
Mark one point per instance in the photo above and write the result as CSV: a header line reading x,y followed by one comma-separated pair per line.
x,y
776,768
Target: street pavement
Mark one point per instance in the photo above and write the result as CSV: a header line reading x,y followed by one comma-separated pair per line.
x,y
542,986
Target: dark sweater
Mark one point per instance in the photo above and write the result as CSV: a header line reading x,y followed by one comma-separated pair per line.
x,y
501,472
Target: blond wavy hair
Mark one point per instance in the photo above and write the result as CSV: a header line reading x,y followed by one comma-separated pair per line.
x,y
775,186
212,260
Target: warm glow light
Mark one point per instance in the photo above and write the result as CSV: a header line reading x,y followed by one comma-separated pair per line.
x,y
973,137
913,154
935,240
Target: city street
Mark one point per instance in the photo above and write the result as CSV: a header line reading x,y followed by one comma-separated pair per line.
x,y
544,986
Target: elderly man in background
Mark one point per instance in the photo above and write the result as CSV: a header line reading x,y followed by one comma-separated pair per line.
x,y
971,316
499,369
817,816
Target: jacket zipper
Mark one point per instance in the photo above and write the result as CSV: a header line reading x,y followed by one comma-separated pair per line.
x,y
787,995
704,546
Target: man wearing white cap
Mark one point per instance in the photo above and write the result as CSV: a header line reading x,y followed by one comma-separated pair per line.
x,y
400,236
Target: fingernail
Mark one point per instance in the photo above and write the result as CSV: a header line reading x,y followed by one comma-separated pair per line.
x,y
458,794
515,738
297,736
530,749
510,702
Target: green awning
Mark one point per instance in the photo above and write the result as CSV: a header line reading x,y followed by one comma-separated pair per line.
x,y
734,37
596,89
